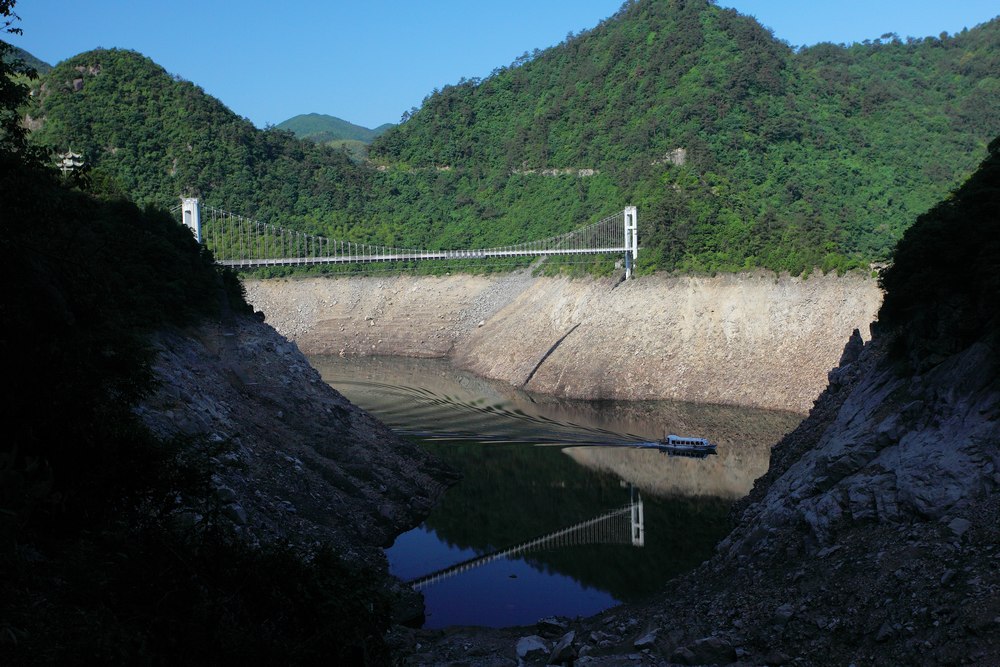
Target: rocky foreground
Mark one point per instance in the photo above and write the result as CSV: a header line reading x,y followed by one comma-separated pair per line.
x,y
872,539
303,465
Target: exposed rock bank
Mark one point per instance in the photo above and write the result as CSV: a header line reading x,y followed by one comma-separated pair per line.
x,y
304,465
755,339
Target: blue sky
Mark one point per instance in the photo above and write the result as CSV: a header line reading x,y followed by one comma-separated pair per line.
x,y
368,61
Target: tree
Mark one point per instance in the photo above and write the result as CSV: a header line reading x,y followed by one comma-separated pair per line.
x,y
13,94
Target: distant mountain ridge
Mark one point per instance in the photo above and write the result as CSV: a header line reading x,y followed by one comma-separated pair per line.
x,y
30,60
153,138
323,128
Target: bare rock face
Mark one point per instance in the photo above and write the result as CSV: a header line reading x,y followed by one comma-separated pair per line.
x,y
705,651
301,464
531,646
901,448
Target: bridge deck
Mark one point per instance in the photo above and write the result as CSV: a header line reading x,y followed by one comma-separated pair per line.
x,y
407,256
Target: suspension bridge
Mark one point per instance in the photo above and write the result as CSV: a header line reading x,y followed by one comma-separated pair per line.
x,y
243,242
624,525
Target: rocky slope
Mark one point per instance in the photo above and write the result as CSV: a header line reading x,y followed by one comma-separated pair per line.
x,y
303,464
756,340
873,539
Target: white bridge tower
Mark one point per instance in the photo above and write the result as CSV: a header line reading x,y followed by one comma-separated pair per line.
x,y
631,239
191,215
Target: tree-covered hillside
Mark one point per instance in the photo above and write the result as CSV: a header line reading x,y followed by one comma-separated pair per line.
x,y
17,54
322,128
738,150
334,132
154,138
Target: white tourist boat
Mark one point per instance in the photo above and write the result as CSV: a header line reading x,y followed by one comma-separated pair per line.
x,y
675,445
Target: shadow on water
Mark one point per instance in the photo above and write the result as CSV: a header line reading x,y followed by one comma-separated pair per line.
x,y
531,465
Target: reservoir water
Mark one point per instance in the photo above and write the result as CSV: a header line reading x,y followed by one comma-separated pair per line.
x,y
603,523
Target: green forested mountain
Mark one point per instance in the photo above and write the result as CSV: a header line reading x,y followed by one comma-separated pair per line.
x,y
155,138
18,54
321,128
739,151
334,132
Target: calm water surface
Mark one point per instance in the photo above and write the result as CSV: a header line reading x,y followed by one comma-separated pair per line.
x,y
535,465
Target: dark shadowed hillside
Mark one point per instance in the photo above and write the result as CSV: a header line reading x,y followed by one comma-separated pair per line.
x,y
132,460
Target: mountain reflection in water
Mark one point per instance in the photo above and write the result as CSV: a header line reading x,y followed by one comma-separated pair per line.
x,y
531,465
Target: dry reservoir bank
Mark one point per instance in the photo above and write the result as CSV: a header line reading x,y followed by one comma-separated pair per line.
x,y
750,339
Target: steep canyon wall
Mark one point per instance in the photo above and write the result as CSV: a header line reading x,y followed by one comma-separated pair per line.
x,y
752,339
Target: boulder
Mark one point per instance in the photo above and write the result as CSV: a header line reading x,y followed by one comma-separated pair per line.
x,y
563,652
708,651
647,640
530,646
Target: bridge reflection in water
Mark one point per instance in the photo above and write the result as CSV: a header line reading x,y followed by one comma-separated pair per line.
x,y
530,464
624,525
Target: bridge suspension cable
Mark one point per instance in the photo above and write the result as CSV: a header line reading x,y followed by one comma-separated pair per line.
x,y
240,241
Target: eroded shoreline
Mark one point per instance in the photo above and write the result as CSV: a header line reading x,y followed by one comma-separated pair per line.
x,y
754,339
